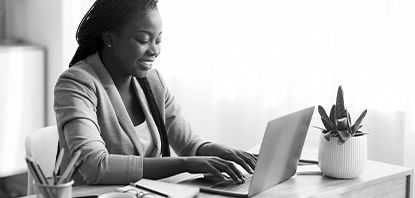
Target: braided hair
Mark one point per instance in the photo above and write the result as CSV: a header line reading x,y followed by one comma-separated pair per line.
x,y
105,15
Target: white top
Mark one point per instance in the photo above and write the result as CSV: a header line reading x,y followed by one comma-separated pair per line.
x,y
144,137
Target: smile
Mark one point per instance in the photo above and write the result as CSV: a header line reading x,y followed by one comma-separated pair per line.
x,y
147,63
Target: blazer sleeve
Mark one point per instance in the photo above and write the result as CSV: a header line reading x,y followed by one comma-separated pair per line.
x,y
180,134
75,108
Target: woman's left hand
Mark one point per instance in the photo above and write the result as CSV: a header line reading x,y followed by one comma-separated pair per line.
x,y
244,159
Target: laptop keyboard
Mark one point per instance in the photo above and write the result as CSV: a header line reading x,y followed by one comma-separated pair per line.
x,y
229,184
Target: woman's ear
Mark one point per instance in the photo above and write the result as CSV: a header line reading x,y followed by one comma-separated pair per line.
x,y
107,38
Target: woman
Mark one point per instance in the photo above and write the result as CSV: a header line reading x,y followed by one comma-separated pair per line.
x,y
115,108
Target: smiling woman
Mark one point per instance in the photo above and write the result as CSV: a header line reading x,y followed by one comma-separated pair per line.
x,y
135,46
114,107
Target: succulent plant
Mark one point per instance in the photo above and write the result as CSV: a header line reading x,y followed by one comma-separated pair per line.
x,y
339,123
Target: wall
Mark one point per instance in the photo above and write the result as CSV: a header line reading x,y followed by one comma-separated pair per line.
x,y
234,67
51,24
40,22
2,19
72,14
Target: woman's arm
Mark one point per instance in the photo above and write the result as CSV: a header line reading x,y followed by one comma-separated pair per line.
x,y
99,166
76,102
156,168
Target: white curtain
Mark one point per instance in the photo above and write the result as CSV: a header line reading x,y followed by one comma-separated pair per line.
x,y
235,64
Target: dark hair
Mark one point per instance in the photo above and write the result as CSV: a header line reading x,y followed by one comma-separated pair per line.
x,y
105,15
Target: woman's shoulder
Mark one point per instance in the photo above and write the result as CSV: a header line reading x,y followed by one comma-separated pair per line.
x,y
80,72
155,79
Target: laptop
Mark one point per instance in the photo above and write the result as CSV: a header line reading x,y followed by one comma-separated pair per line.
x,y
277,161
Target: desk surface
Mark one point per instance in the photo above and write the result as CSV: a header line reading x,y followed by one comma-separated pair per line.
x,y
378,180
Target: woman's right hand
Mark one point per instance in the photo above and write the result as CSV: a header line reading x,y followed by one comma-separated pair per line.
x,y
213,165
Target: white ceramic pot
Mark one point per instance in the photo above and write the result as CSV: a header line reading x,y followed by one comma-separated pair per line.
x,y
347,160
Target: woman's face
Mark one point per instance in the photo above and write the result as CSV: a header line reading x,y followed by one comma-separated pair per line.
x,y
137,44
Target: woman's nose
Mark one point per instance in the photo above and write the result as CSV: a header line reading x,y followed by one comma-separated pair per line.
x,y
154,49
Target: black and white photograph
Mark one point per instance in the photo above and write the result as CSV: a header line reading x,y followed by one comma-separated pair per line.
x,y
207,98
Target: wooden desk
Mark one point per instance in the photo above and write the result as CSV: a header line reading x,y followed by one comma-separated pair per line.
x,y
378,180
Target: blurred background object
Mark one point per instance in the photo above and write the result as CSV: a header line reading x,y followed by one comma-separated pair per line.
x,y
22,103
22,107
2,19
37,39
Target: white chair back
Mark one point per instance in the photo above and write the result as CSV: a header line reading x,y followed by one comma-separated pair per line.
x,y
42,146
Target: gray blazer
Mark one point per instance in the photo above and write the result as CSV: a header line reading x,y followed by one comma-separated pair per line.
x,y
92,118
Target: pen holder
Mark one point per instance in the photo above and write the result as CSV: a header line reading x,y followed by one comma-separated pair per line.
x,y
63,190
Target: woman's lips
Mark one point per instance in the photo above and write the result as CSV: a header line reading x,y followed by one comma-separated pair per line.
x,y
147,63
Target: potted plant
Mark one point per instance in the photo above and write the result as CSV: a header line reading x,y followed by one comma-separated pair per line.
x,y
343,147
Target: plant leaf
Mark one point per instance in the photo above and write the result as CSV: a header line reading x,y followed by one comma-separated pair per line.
x,y
340,109
327,136
349,120
322,130
332,115
358,121
342,124
322,112
356,130
327,124
344,135
340,141
326,120
359,133
349,125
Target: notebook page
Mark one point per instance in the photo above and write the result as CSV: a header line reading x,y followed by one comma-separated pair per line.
x,y
181,177
171,189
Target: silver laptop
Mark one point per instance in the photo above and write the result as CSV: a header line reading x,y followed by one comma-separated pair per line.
x,y
277,161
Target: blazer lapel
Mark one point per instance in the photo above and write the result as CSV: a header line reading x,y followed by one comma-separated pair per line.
x,y
150,120
157,89
116,101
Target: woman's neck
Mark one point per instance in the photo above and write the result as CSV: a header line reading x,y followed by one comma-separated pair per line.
x,y
122,81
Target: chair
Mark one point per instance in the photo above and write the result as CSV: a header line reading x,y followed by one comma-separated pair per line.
x,y
42,146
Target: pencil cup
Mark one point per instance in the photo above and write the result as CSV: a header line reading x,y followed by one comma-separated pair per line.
x,y
63,190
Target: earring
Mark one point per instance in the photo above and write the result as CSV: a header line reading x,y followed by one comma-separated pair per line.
x,y
109,45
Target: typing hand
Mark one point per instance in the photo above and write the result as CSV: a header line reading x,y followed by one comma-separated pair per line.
x,y
215,166
244,159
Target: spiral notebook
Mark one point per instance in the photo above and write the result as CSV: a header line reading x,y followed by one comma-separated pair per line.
x,y
168,189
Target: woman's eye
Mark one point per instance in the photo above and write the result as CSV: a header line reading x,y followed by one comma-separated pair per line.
x,y
158,42
143,41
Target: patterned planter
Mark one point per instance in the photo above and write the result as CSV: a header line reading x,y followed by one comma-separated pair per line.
x,y
343,161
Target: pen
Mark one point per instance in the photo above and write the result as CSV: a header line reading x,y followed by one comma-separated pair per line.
x,y
38,171
33,172
36,177
57,165
74,170
148,189
69,168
